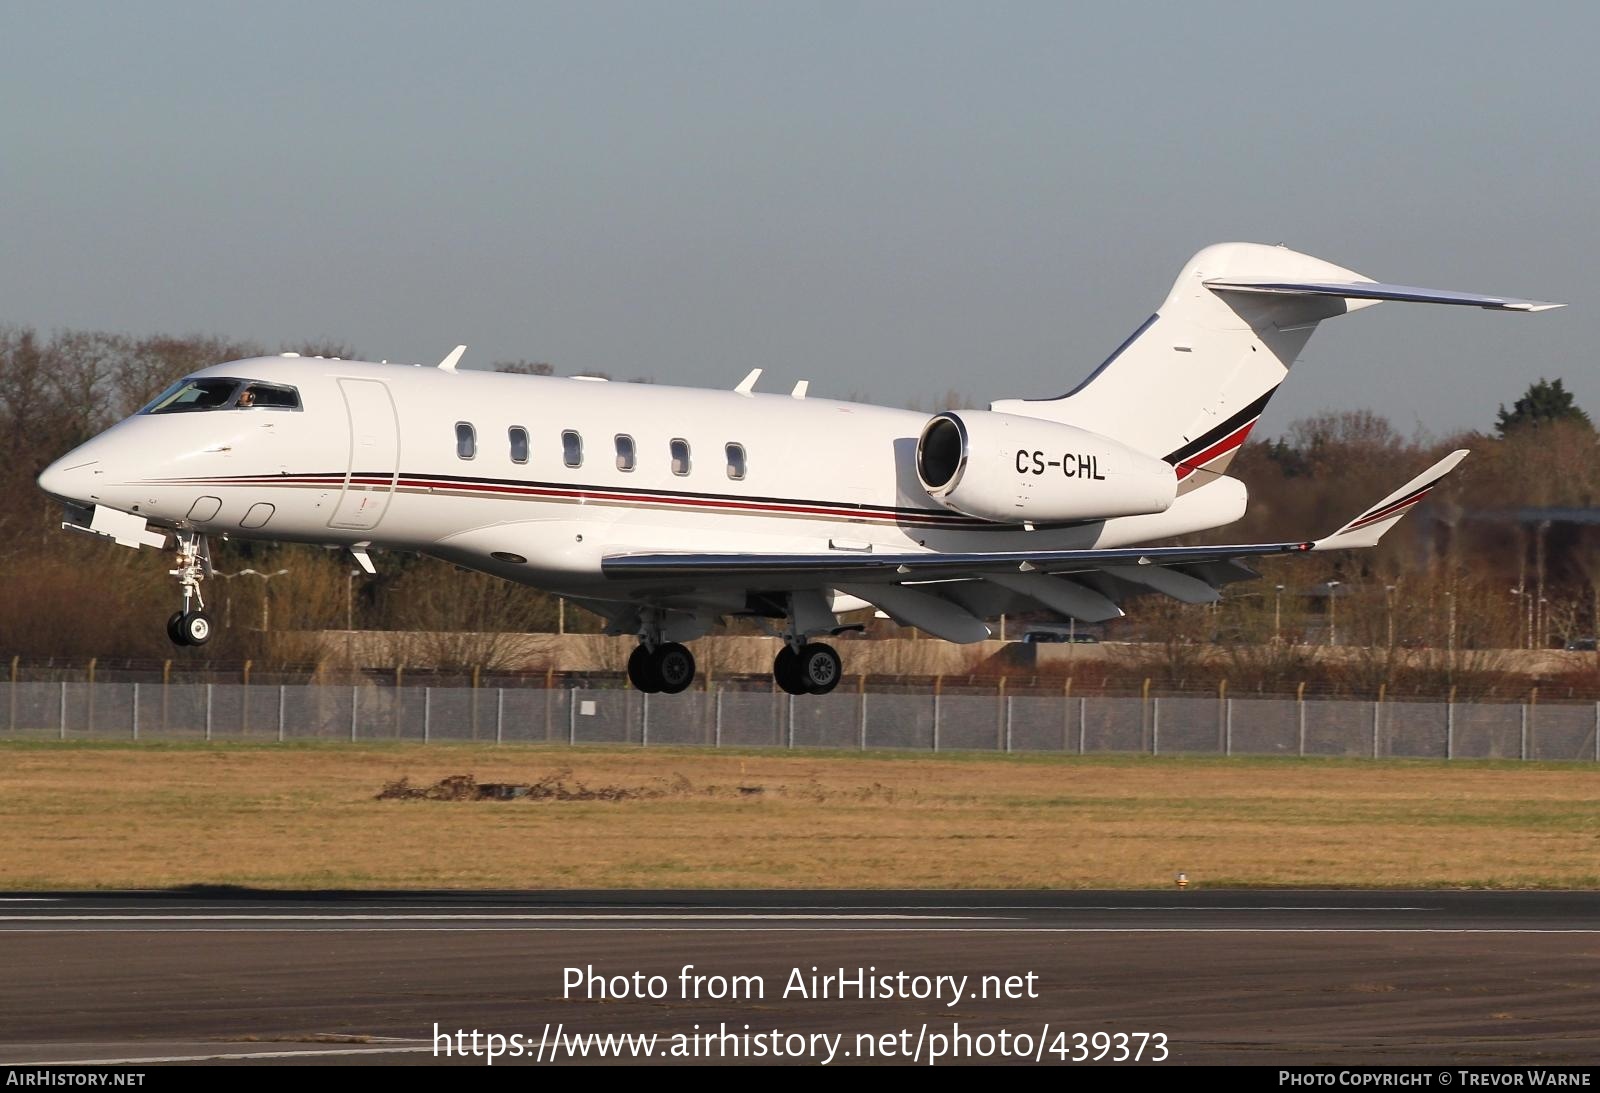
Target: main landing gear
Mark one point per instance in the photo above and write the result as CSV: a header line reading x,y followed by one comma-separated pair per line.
x,y
802,667
666,669
191,625
813,668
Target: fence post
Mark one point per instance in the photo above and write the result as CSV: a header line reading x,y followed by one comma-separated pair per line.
x,y
572,716
208,711
936,718
1144,711
63,709
136,711
282,695
476,671
12,717
1083,710
89,703
166,678
1524,748
1377,713
644,721
1450,723
791,721
354,691
1001,713
499,715
1008,724
1066,714
1530,724
1155,721
861,689
717,709
427,714
1222,714
1227,726
1300,708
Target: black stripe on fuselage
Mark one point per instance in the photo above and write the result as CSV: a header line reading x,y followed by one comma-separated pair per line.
x,y
1201,443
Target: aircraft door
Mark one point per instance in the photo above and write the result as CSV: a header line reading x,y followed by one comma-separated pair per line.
x,y
374,455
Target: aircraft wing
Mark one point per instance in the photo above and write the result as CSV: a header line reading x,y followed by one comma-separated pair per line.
x,y
926,589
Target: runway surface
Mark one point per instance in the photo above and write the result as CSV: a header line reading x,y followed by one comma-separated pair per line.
x,y
1225,976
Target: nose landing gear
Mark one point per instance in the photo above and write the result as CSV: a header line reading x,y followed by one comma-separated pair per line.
x,y
191,625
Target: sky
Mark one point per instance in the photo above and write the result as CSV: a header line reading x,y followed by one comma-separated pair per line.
x,y
892,200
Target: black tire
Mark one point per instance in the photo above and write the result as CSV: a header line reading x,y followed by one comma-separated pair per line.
x,y
820,668
196,628
175,629
674,667
642,671
786,671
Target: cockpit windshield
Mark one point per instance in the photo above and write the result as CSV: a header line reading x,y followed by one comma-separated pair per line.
x,y
194,395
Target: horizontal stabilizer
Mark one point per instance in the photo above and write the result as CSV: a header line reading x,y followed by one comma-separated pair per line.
x,y
1374,290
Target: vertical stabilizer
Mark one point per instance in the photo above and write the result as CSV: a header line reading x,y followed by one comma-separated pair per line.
x,y
1190,383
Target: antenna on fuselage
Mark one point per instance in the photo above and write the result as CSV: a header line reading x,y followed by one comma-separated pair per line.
x,y
450,362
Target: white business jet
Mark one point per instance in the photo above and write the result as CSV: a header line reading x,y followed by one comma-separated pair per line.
x,y
666,509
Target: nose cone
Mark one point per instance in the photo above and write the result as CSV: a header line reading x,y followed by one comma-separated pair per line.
x,y
73,477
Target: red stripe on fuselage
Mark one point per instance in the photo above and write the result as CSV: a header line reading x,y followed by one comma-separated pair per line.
x,y
1216,451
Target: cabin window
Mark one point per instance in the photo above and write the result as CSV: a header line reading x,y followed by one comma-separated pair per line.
x,y
735,461
625,457
466,440
519,444
680,456
572,448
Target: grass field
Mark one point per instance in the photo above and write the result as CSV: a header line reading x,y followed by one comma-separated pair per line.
x,y
276,816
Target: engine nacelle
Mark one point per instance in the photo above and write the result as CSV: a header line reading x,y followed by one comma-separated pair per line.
x,y
1011,469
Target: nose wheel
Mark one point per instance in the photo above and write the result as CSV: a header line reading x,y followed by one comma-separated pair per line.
x,y
185,628
813,669
191,625
667,669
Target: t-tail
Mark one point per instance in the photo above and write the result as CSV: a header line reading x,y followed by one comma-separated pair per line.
x,y
1191,382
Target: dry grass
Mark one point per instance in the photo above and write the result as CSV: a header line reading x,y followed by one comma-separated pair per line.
x,y
282,817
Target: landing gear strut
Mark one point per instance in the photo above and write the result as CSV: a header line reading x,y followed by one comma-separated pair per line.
x,y
191,625
812,669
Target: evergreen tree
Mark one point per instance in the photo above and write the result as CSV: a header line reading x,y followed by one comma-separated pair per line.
x,y
1544,402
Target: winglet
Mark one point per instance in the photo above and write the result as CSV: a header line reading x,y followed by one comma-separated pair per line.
x,y
748,384
450,362
1365,530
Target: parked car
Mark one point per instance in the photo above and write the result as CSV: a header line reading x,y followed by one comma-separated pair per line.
x,y
1053,636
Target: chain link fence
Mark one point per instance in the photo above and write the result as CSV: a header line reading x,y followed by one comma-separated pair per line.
x,y
724,717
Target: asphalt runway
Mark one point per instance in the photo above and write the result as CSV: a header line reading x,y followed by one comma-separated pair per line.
x,y
1254,977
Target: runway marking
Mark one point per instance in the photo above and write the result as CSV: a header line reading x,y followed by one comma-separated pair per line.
x,y
508,929
753,909
646,917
